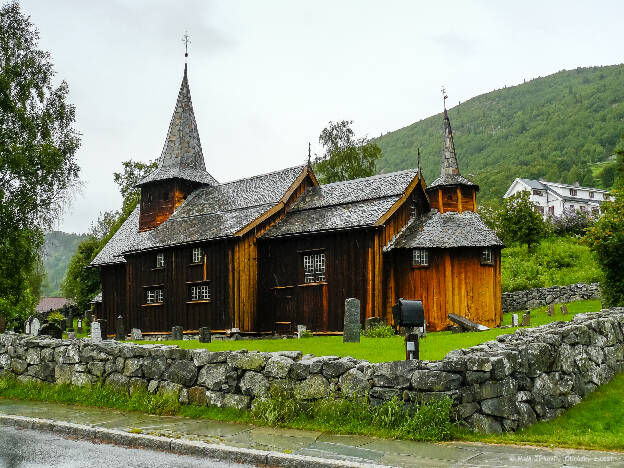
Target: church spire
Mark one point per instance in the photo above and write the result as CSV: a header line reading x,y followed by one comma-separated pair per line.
x,y
182,156
449,159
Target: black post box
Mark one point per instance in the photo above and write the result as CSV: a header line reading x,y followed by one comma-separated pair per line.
x,y
408,313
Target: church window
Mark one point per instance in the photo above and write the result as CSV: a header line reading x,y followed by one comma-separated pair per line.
x,y
314,267
160,260
420,257
486,256
200,292
197,255
154,296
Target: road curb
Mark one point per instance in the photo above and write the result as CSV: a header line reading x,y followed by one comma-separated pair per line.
x,y
180,446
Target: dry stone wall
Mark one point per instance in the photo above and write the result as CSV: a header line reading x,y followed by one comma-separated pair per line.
x,y
533,374
531,298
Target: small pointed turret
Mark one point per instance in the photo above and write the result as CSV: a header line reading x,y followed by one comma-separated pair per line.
x,y
449,160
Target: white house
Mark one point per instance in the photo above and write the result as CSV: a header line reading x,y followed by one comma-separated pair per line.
x,y
553,198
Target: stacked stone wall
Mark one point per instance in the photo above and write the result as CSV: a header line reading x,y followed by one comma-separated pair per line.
x,y
531,298
533,374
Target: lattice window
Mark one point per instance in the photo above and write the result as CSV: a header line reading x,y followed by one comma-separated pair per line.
x,y
486,256
200,292
160,260
154,296
314,267
420,257
197,255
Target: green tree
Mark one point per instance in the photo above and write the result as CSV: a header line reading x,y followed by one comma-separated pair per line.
x,y
345,156
82,283
607,176
606,239
519,222
38,168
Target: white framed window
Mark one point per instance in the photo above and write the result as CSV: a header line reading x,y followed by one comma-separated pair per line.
x,y
154,296
420,257
582,208
571,207
314,267
486,256
160,260
201,292
591,194
573,192
197,254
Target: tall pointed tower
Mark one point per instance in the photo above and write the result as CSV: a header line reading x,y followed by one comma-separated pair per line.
x,y
451,191
181,168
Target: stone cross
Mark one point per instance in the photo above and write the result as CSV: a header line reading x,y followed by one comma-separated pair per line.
x,y
526,319
564,309
136,335
551,310
176,333
514,320
204,335
96,332
351,330
34,327
300,330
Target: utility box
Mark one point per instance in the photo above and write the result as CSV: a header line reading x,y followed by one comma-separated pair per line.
x,y
408,313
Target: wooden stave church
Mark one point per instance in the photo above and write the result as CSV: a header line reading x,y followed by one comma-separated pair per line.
x,y
258,236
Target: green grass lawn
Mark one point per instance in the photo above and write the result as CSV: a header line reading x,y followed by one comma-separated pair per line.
x,y
596,423
435,346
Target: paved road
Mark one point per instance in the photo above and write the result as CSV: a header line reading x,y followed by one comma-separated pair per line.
x,y
32,449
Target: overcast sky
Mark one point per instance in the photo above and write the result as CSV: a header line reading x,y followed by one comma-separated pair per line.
x,y
267,76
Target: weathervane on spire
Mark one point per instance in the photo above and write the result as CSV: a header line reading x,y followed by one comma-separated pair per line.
x,y
309,153
418,160
444,96
187,40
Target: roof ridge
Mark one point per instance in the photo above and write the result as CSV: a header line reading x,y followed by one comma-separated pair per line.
x,y
259,175
376,176
353,202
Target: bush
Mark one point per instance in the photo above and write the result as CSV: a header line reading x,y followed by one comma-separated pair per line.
x,y
56,318
571,223
379,331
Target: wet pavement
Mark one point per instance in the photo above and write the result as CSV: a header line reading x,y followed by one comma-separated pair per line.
x,y
362,449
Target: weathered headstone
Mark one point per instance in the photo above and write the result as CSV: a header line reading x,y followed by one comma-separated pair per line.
x,y
564,309
373,322
71,335
301,329
96,332
34,327
526,319
514,320
466,323
51,329
351,330
176,333
103,328
27,327
204,335
135,334
79,325
551,310
120,332
70,320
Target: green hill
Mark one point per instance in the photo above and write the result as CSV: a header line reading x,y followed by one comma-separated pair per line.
x,y
557,127
58,249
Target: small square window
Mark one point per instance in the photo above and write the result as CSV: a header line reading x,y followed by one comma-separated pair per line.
x,y
486,257
314,268
420,257
591,194
573,192
154,296
200,292
160,260
197,255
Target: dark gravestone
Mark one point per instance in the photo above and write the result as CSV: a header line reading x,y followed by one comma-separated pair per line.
x,y
466,323
176,333
564,309
120,332
103,328
70,320
526,319
135,334
551,310
204,335
52,330
373,322
351,330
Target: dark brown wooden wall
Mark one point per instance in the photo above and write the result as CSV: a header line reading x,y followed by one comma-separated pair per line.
x,y
453,198
113,279
157,211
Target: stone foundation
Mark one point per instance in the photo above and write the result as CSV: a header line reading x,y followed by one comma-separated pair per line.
x,y
531,298
533,374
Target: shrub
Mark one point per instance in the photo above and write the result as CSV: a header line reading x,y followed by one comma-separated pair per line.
x,y
571,223
379,331
56,318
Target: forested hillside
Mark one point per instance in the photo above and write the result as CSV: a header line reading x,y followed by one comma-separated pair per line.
x,y
58,249
556,127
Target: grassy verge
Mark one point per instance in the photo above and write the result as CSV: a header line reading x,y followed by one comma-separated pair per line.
x,y
435,346
595,423
429,421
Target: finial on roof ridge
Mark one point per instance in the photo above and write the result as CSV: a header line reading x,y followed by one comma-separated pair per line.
x,y
187,40
309,153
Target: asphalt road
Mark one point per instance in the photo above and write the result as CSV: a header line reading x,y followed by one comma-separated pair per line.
x,y
24,448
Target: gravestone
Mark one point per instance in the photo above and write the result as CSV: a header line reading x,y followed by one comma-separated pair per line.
x,y
52,330
71,335
27,327
351,330
301,329
564,309
466,323
96,332
70,320
373,322
176,333
79,325
204,335
551,310
526,319
103,328
514,320
34,327
135,334
120,333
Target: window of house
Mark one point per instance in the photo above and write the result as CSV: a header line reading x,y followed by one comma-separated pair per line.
x,y
582,208
538,193
154,296
160,260
571,207
591,194
420,257
551,210
486,256
539,209
605,196
595,211
197,255
314,267
200,292
573,192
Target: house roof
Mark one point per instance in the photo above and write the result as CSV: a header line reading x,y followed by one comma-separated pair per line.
x,y
210,212
47,304
446,230
343,205
182,156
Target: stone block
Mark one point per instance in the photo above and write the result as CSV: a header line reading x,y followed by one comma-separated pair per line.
x,y
437,381
213,376
254,384
278,367
247,361
231,400
354,383
181,372
338,367
314,387
197,396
